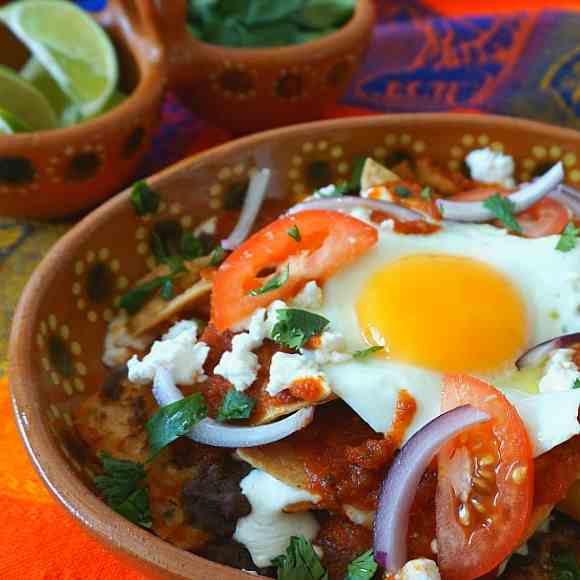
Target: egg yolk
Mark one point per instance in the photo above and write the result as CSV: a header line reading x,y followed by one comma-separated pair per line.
x,y
446,313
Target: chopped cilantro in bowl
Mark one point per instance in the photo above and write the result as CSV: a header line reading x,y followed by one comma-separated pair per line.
x,y
266,23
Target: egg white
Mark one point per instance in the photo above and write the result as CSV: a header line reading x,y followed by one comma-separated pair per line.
x,y
548,282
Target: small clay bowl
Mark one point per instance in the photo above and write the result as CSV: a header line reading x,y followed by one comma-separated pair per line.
x,y
249,90
59,327
61,172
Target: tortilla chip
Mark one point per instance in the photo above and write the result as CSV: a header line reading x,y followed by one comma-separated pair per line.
x,y
158,310
374,174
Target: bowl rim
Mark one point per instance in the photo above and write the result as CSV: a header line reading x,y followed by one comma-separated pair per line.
x,y
363,16
150,64
67,487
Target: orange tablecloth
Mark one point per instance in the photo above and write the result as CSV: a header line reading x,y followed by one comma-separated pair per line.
x,y
38,540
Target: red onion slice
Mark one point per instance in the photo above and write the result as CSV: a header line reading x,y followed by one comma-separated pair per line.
x,y
569,197
216,434
537,354
348,203
252,204
475,211
400,486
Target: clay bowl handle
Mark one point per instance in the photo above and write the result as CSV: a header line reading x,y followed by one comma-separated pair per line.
x,y
138,21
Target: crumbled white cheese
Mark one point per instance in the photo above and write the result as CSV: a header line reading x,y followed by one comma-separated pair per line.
x,y
419,569
327,191
240,365
287,368
490,166
267,530
309,298
561,372
330,350
387,226
362,213
207,227
359,517
118,344
434,546
189,326
178,352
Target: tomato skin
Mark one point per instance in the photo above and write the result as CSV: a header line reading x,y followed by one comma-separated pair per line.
x,y
471,550
545,218
328,241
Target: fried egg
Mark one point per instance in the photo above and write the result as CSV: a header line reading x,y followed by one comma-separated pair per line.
x,y
467,298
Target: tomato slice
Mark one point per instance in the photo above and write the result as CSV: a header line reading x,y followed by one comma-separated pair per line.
x,y
327,241
485,483
545,218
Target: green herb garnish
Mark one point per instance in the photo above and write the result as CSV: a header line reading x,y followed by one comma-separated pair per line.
x,y
300,562
122,489
191,246
144,199
260,23
503,209
363,567
565,566
568,238
402,191
295,327
367,351
236,405
576,384
136,298
357,170
273,283
173,421
217,256
426,193
294,233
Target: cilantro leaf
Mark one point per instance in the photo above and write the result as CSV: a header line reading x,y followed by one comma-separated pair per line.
x,y
576,384
503,209
294,327
236,405
357,170
363,567
217,256
426,193
273,283
173,421
121,489
158,248
402,191
144,199
568,238
167,290
367,351
300,562
294,233
133,300
565,566
191,246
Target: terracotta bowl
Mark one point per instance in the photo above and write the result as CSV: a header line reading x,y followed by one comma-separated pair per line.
x,y
60,324
248,90
56,173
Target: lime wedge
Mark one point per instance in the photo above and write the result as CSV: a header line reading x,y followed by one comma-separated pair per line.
x,y
10,123
75,51
23,104
67,111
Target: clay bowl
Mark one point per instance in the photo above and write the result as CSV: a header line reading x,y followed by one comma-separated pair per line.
x,y
56,173
60,324
248,90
